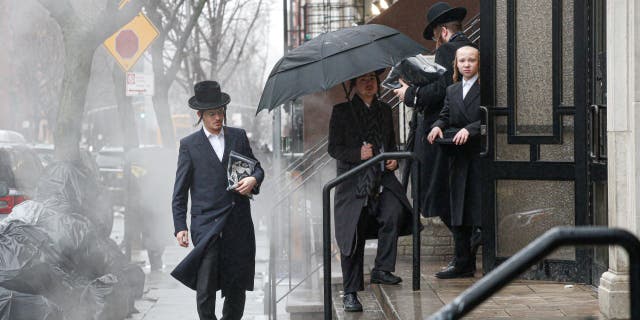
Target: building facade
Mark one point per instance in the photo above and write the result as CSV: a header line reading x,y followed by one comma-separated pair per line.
x,y
560,81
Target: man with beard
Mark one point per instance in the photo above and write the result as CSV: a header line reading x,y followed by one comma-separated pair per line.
x,y
444,26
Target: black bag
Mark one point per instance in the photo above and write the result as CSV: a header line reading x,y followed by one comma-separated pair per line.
x,y
446,142
447,136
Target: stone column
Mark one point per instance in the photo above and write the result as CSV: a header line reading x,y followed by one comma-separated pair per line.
x,y
623,99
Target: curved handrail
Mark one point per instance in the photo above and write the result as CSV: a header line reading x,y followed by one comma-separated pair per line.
x,y
326,217
537,250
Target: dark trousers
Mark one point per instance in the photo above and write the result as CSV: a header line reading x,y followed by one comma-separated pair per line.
x,y
386,219
464,258
208,281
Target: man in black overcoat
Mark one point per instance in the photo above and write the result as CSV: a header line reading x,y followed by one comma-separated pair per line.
x,y
221,225
372,204
444,26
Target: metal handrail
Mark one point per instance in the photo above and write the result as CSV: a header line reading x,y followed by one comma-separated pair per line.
x,y
301,184
473,22
536,251
304,279
326,218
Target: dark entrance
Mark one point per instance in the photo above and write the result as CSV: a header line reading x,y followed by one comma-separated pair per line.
x,y
542,65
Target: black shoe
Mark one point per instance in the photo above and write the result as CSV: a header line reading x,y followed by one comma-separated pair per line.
x,y
450,264
351,303
453,272
384,277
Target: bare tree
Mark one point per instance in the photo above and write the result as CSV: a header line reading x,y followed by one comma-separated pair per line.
x,y
229,46
175,23
83,30
223,36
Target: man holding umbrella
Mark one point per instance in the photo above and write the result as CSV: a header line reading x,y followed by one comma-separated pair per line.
x,y
221,225
373,204
444,26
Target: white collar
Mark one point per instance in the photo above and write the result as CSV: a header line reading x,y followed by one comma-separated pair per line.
x,y
470,81
209,134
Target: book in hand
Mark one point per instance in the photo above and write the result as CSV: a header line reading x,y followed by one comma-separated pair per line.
x,y
238,168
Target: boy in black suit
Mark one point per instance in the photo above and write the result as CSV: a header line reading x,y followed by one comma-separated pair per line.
x,y
462,111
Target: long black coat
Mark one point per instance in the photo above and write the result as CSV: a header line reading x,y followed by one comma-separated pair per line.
x,y
344,146
465,179
428,101
215,210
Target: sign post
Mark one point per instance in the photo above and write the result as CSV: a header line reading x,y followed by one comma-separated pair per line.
x,y
139,84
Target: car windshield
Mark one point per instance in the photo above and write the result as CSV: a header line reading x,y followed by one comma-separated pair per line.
x,y
11,136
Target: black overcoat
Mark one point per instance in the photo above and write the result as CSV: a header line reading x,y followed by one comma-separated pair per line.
x,y
344,146
215,210
428,101
465,180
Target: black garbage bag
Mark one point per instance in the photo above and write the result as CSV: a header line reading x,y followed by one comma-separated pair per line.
x,y
28,263
54,254
23,306
418,70
73,187
111,296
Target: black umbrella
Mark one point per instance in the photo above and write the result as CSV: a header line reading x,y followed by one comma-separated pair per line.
x,y
334,57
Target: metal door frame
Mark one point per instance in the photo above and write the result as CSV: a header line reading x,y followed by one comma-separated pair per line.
x,y
560,270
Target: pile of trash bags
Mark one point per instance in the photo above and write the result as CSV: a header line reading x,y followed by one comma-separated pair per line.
x,y
57,261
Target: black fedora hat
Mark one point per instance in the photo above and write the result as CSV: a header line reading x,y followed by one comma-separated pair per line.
x,y
208,96
442,12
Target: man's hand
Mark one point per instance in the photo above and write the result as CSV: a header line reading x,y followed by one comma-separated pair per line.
x,y
436,132
366,151
183,238
401,91
391,164
461,137
246,185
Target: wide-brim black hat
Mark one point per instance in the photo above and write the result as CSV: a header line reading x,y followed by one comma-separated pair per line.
x,y
442,12
208,96
377,72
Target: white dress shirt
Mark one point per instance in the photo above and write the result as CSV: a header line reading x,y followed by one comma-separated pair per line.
x,y
216,141
467,84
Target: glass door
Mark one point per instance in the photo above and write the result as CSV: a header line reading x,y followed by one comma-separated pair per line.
x,y
534,87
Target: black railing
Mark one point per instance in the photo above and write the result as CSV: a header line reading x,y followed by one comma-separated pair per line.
x,y
326,222
537,250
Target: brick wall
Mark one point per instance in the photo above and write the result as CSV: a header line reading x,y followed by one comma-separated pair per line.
x,y
436,242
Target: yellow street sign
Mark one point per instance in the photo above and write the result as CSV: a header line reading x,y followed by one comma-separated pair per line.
x,y
130,42
122,3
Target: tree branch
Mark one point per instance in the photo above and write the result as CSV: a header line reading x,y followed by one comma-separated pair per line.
x,y
175,62
244,42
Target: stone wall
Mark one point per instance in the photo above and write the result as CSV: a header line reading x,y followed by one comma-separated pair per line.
x,y
436,242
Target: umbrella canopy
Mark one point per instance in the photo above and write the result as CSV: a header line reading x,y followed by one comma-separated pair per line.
x,y
334,57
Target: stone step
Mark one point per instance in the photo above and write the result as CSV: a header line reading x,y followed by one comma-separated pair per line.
x,y
305,304
370,305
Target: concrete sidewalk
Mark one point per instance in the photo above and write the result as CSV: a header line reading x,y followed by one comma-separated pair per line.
x,y
166,299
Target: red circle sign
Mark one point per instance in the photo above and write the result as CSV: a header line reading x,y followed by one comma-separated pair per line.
x,y
127,43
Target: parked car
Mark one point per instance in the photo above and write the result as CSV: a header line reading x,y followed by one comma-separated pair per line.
x,y
20,169
110,161
8,136
45,152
